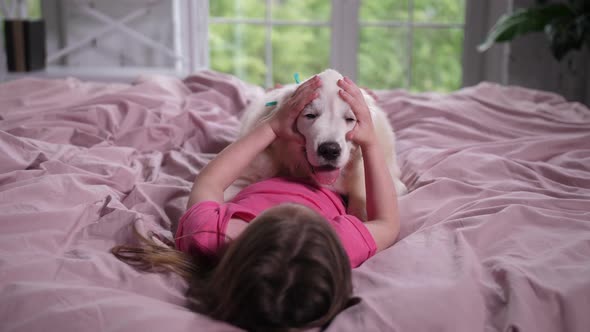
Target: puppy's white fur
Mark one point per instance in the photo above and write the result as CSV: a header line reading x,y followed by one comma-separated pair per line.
x,y
326,119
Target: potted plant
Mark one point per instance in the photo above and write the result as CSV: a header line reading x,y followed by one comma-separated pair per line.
x,y
566,26
24,38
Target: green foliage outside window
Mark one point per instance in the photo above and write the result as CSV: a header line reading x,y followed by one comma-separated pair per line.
x,y
240,48
34,9
383,62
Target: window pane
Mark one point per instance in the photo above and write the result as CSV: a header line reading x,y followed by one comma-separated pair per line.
x,y
34,7
301,10
237,8
437,59
299,49
439,11
238,49
384,10
382,57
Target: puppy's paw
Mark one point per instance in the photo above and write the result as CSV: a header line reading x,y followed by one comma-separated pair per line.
x,y
400,187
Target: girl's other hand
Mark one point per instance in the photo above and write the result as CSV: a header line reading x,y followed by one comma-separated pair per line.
x,y
363,132
283,121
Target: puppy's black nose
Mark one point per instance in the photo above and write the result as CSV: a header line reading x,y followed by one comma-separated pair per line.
x,y
329,150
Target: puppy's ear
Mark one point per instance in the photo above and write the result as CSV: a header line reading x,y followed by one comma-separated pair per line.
x,y
370,93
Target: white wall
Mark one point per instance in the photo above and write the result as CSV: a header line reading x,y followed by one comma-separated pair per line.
x,y
66,24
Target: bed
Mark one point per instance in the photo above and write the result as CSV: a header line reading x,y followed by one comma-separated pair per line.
x,y
495,227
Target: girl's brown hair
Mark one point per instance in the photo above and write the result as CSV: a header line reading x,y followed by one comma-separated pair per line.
x,y
287,270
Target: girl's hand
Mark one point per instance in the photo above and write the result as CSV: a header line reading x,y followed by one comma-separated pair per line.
x,y
363,132
283,121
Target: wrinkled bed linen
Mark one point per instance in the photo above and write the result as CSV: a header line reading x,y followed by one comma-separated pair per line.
x,y
495,229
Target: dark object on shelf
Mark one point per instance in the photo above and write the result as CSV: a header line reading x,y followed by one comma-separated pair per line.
x,y
566,25
25,45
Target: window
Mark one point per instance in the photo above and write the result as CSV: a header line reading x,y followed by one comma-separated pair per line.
x,y
382,44
266,41
414,44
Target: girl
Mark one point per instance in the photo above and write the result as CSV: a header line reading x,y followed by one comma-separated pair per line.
x,y
289,263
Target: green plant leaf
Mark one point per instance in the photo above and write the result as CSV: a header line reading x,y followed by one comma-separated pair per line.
x,y
565,35
523,21
583,26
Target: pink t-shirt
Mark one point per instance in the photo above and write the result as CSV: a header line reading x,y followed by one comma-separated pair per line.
x,y
203,225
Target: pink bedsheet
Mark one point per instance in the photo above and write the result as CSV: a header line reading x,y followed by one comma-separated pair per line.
x,y
495,229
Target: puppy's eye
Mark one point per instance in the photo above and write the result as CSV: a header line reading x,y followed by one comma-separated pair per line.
x,y
350,120
310,116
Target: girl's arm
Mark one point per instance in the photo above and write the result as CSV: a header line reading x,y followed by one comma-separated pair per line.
x,y
222,171
382,210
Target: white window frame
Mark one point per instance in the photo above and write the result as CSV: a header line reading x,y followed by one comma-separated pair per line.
x,y
192,20
492,65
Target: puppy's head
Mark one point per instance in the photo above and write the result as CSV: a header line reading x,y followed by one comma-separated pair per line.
x,y
324,124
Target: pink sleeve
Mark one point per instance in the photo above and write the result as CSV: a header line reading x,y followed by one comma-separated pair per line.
x,y
201,228
355,237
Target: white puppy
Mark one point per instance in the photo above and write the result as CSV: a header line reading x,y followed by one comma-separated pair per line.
x,y
327,159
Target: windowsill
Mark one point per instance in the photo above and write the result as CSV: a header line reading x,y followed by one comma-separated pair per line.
x,y
101,74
